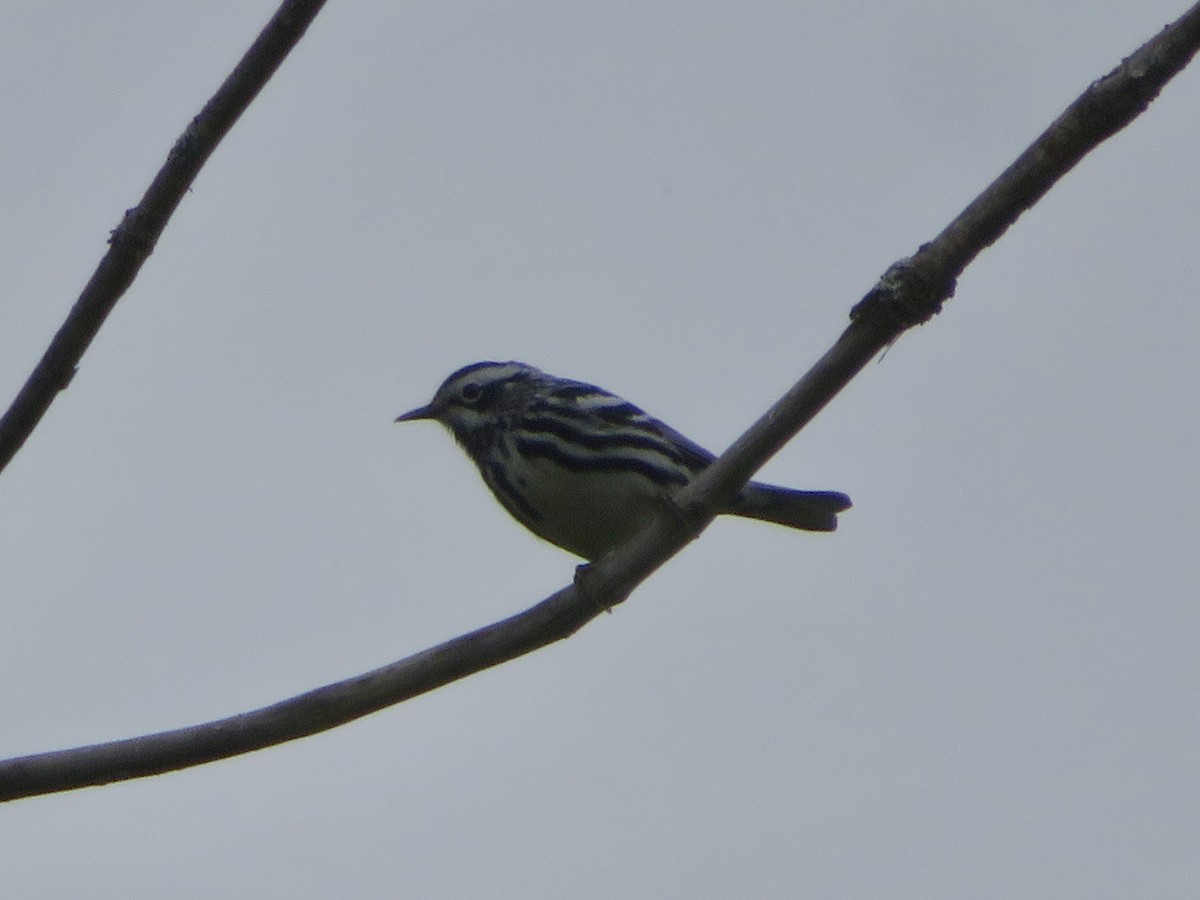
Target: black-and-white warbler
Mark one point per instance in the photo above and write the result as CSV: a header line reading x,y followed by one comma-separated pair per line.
x,y
581,467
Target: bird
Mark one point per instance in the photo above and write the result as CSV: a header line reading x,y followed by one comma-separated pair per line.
x,y
581,467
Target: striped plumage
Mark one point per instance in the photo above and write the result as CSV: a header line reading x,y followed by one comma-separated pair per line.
x,y
581,467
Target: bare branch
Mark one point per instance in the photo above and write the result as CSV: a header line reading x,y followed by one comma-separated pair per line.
x,y
133,240
319,710
910,293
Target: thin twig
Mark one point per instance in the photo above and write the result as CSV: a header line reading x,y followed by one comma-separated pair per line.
x,y
132,242
910,293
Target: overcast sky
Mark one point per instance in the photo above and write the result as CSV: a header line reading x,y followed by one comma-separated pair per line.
x,y
984,685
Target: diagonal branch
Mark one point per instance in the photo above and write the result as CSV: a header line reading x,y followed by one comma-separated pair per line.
x,y
132,242
910,293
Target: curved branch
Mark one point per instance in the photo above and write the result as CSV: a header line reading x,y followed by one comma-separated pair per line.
x,y
911,292
318,710
132,242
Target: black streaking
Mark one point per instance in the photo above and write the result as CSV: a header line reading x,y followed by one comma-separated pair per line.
x,y
553,451
572,433
520,508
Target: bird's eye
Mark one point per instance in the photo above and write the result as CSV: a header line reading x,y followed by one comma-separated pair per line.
x,y
470,392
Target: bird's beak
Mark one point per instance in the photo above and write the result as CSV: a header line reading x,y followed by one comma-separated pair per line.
x,y
421,412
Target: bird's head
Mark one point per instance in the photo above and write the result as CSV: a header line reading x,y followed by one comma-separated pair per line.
x,y
479,397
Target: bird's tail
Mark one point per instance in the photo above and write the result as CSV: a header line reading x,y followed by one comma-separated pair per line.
x,y
808,510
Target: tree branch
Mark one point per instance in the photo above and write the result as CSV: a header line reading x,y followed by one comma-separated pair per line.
x,y
910,293
132,242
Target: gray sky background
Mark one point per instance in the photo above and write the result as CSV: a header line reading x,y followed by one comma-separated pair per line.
x,y
984,685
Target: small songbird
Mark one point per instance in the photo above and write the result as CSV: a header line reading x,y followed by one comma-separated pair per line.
x,y
584,469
